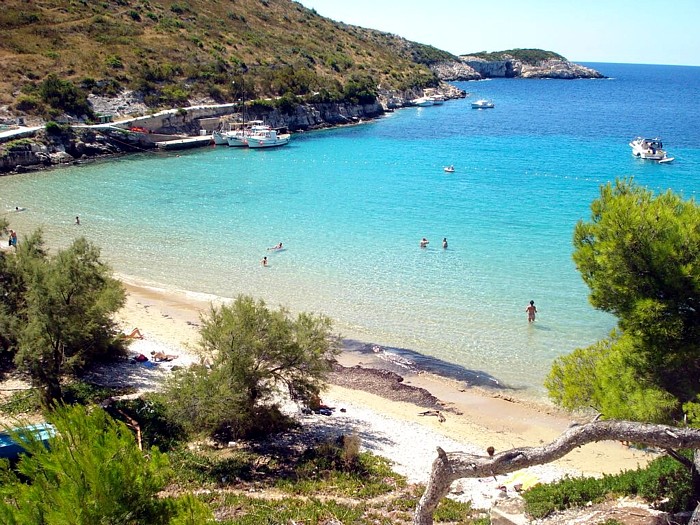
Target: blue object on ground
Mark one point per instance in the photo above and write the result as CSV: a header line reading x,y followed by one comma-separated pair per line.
x,y
11,449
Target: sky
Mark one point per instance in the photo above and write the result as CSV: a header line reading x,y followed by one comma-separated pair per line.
x,y
618,31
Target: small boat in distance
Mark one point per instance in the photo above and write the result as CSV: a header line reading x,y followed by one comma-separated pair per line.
x,y
482,104
449,169
649,149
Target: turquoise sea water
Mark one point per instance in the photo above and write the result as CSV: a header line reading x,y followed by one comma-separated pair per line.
x,y
351,204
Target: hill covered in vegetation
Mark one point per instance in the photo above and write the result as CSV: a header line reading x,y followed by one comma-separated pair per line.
x,y
174,51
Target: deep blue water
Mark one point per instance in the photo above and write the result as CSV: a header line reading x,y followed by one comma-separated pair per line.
x,y
351,205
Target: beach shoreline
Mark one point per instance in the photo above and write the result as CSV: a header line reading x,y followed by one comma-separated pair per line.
x,y
474,416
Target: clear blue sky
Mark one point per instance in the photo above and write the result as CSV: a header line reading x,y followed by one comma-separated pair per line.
x,y
627,31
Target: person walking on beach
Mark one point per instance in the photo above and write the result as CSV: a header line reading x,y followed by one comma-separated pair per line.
x,y
531,311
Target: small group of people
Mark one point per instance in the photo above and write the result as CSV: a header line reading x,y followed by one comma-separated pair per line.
x,y
424,242
277,247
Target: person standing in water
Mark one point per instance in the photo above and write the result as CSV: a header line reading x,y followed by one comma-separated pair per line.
x,y
263,261
531,312
77,220
444,242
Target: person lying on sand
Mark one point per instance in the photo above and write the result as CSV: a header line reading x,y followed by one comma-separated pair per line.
x,y
162,356
135,334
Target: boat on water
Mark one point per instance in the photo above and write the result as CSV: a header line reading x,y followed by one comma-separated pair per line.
x,y
219,137
237,138
437,99
422,102
482,104
267,138
650,149
449,169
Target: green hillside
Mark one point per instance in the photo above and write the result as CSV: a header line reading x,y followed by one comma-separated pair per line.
x,y
197,49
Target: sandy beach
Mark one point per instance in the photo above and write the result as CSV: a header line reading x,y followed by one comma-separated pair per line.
x,y
387,416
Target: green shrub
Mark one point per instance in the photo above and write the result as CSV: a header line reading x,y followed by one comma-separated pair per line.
x,y
114,61
28,103
664,482
63,95
91,472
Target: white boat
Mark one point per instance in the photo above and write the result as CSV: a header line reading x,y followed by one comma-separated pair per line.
x,y
219,137
482,104
237,138
268,138
649,149
437,99
422,102
449,169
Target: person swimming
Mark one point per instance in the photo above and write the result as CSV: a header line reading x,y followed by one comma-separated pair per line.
x,y
278,246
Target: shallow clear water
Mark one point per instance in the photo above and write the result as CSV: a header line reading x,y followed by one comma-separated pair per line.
x,y
351,204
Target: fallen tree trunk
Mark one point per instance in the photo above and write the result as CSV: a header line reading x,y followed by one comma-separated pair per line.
x,y
450,466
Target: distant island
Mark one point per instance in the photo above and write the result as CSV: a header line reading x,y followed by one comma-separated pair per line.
x,y
513,63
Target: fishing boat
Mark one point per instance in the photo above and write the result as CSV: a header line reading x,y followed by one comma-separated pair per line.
x,y
267,138
650,149
237,138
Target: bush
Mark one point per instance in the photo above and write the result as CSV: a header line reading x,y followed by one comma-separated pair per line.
x,y
56,129
91,472
664,482
63,95
28,103
255,352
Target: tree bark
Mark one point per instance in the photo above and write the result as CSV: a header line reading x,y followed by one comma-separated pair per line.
x,y
450,466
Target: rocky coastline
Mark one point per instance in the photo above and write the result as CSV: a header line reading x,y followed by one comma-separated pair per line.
x,y
135,128
475,68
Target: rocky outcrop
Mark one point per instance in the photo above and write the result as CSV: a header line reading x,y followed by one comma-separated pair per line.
x,y
451,70
476,68
555,68
45,150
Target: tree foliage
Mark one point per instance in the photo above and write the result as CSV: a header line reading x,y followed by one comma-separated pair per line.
x,y
92,472
65,96
640,256
56,312
254,353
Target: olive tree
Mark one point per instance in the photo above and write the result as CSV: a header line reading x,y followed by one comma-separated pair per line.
x,y
254,353
640,256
